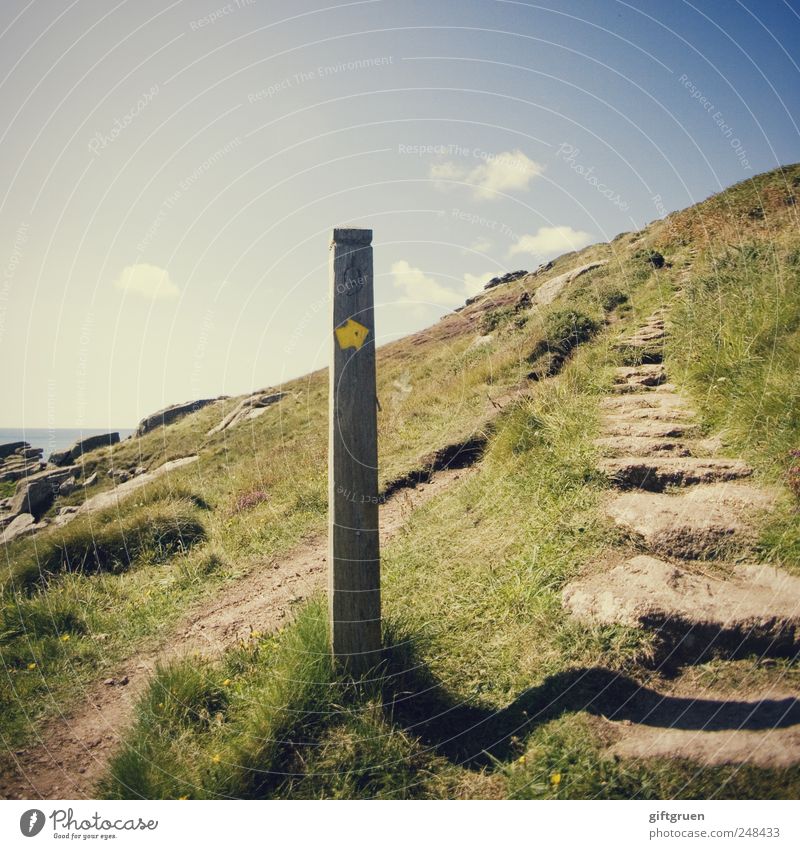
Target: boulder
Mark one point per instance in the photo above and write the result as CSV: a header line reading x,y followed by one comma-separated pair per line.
x,y
92,479
82,446
67,486
550,290
21,525
8,448
505,278
171,414
35,494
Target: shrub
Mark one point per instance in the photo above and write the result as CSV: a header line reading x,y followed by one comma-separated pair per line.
x,y
249,500
492,319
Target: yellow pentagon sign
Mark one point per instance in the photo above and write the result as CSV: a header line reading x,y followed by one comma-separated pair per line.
x,y
351,334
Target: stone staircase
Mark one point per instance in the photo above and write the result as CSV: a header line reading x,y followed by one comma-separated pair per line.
x,y
693,515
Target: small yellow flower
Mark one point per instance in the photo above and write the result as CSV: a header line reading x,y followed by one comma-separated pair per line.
x,y
521,759
65,638
555,779
31,666
255,634
216,759
226,682
182,798
160,705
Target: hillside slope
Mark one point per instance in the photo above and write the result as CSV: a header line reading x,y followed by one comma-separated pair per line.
x,y
491,687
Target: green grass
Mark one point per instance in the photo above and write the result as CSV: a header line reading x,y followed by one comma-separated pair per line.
x,y
736,347
476,633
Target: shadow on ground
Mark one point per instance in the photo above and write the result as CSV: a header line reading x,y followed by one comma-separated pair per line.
x,y
475,736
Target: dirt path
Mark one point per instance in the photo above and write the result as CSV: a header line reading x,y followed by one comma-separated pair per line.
x,y
695,515
74,750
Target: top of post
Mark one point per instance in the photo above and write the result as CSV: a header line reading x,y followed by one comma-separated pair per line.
x,y
351,236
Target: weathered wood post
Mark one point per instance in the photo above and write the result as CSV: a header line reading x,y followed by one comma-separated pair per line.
x,y
354,552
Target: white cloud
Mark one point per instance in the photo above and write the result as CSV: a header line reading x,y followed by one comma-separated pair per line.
x,y
498,173
419,288
149,281
551,241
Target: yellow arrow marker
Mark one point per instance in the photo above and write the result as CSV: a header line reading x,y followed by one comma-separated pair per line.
x,y
351,334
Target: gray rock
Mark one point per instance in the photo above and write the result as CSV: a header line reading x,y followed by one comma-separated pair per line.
x,y
67,486
92,479
249,408
82,446
35,494
550,290
505,278
17,471
171,414
8,448
18,527
29,453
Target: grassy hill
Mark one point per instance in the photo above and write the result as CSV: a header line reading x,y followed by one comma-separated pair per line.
x,y
487,682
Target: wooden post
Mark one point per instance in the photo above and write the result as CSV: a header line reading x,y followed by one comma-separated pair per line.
x,y
354,553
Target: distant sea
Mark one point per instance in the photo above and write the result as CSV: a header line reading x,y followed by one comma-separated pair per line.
x,y
55,439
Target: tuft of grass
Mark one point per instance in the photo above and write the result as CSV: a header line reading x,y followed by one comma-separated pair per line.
x,y
111,541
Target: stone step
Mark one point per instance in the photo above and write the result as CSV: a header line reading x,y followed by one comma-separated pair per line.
x,y
697,616
657,473
636,386
701,523
624,426
748,739
643,353
649,414
641,446
659,399
649,375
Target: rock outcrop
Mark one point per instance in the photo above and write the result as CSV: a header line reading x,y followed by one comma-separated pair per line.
x,y
248,409
171,414
36,493
82,446
505,278
19,460
550,290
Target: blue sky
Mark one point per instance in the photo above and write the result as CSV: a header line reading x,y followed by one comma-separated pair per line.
x,y
172,172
